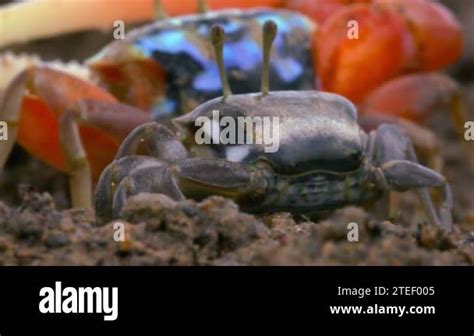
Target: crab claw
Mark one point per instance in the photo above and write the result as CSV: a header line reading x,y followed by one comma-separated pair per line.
x,y
401,35
170,171
41,107
346,57
406,175
414,97
402,175
396,158
320,10
437,33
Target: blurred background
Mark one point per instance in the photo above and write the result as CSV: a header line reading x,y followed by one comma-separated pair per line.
x,y
82,45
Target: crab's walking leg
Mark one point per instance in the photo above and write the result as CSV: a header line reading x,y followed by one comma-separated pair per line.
x,y
78,167
426,143
116,118
119,119
80,178
33,103
42,107
96,113
395,156
416,97
10,113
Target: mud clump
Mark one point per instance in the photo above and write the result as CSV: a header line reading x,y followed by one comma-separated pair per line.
x,y
190,232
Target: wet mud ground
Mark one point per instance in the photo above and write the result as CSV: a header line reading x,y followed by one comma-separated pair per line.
x,y
37,229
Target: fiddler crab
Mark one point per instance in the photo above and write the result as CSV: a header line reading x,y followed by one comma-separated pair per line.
x,y
325,160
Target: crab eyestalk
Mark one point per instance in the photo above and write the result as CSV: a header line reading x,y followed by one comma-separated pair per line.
x,y
203,6
217,39
270,30
159,12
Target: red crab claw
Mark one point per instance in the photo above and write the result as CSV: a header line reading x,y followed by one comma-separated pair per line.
x,y
41,107
418,97
353,65
320,10
437,33
394,37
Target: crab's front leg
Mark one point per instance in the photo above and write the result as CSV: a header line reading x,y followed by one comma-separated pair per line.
x,y
397,169
195,178
67,123
416,98
425,141
171,172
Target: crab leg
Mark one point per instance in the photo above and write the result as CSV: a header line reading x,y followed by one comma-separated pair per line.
x,y
99,114
80,178
396,157
9,113
116,119
427,145
32,104
416,97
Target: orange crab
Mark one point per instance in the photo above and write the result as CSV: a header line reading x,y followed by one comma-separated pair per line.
x,y
42,118
394,43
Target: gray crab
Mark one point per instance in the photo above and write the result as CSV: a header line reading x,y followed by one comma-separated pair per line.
x,y
325,160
